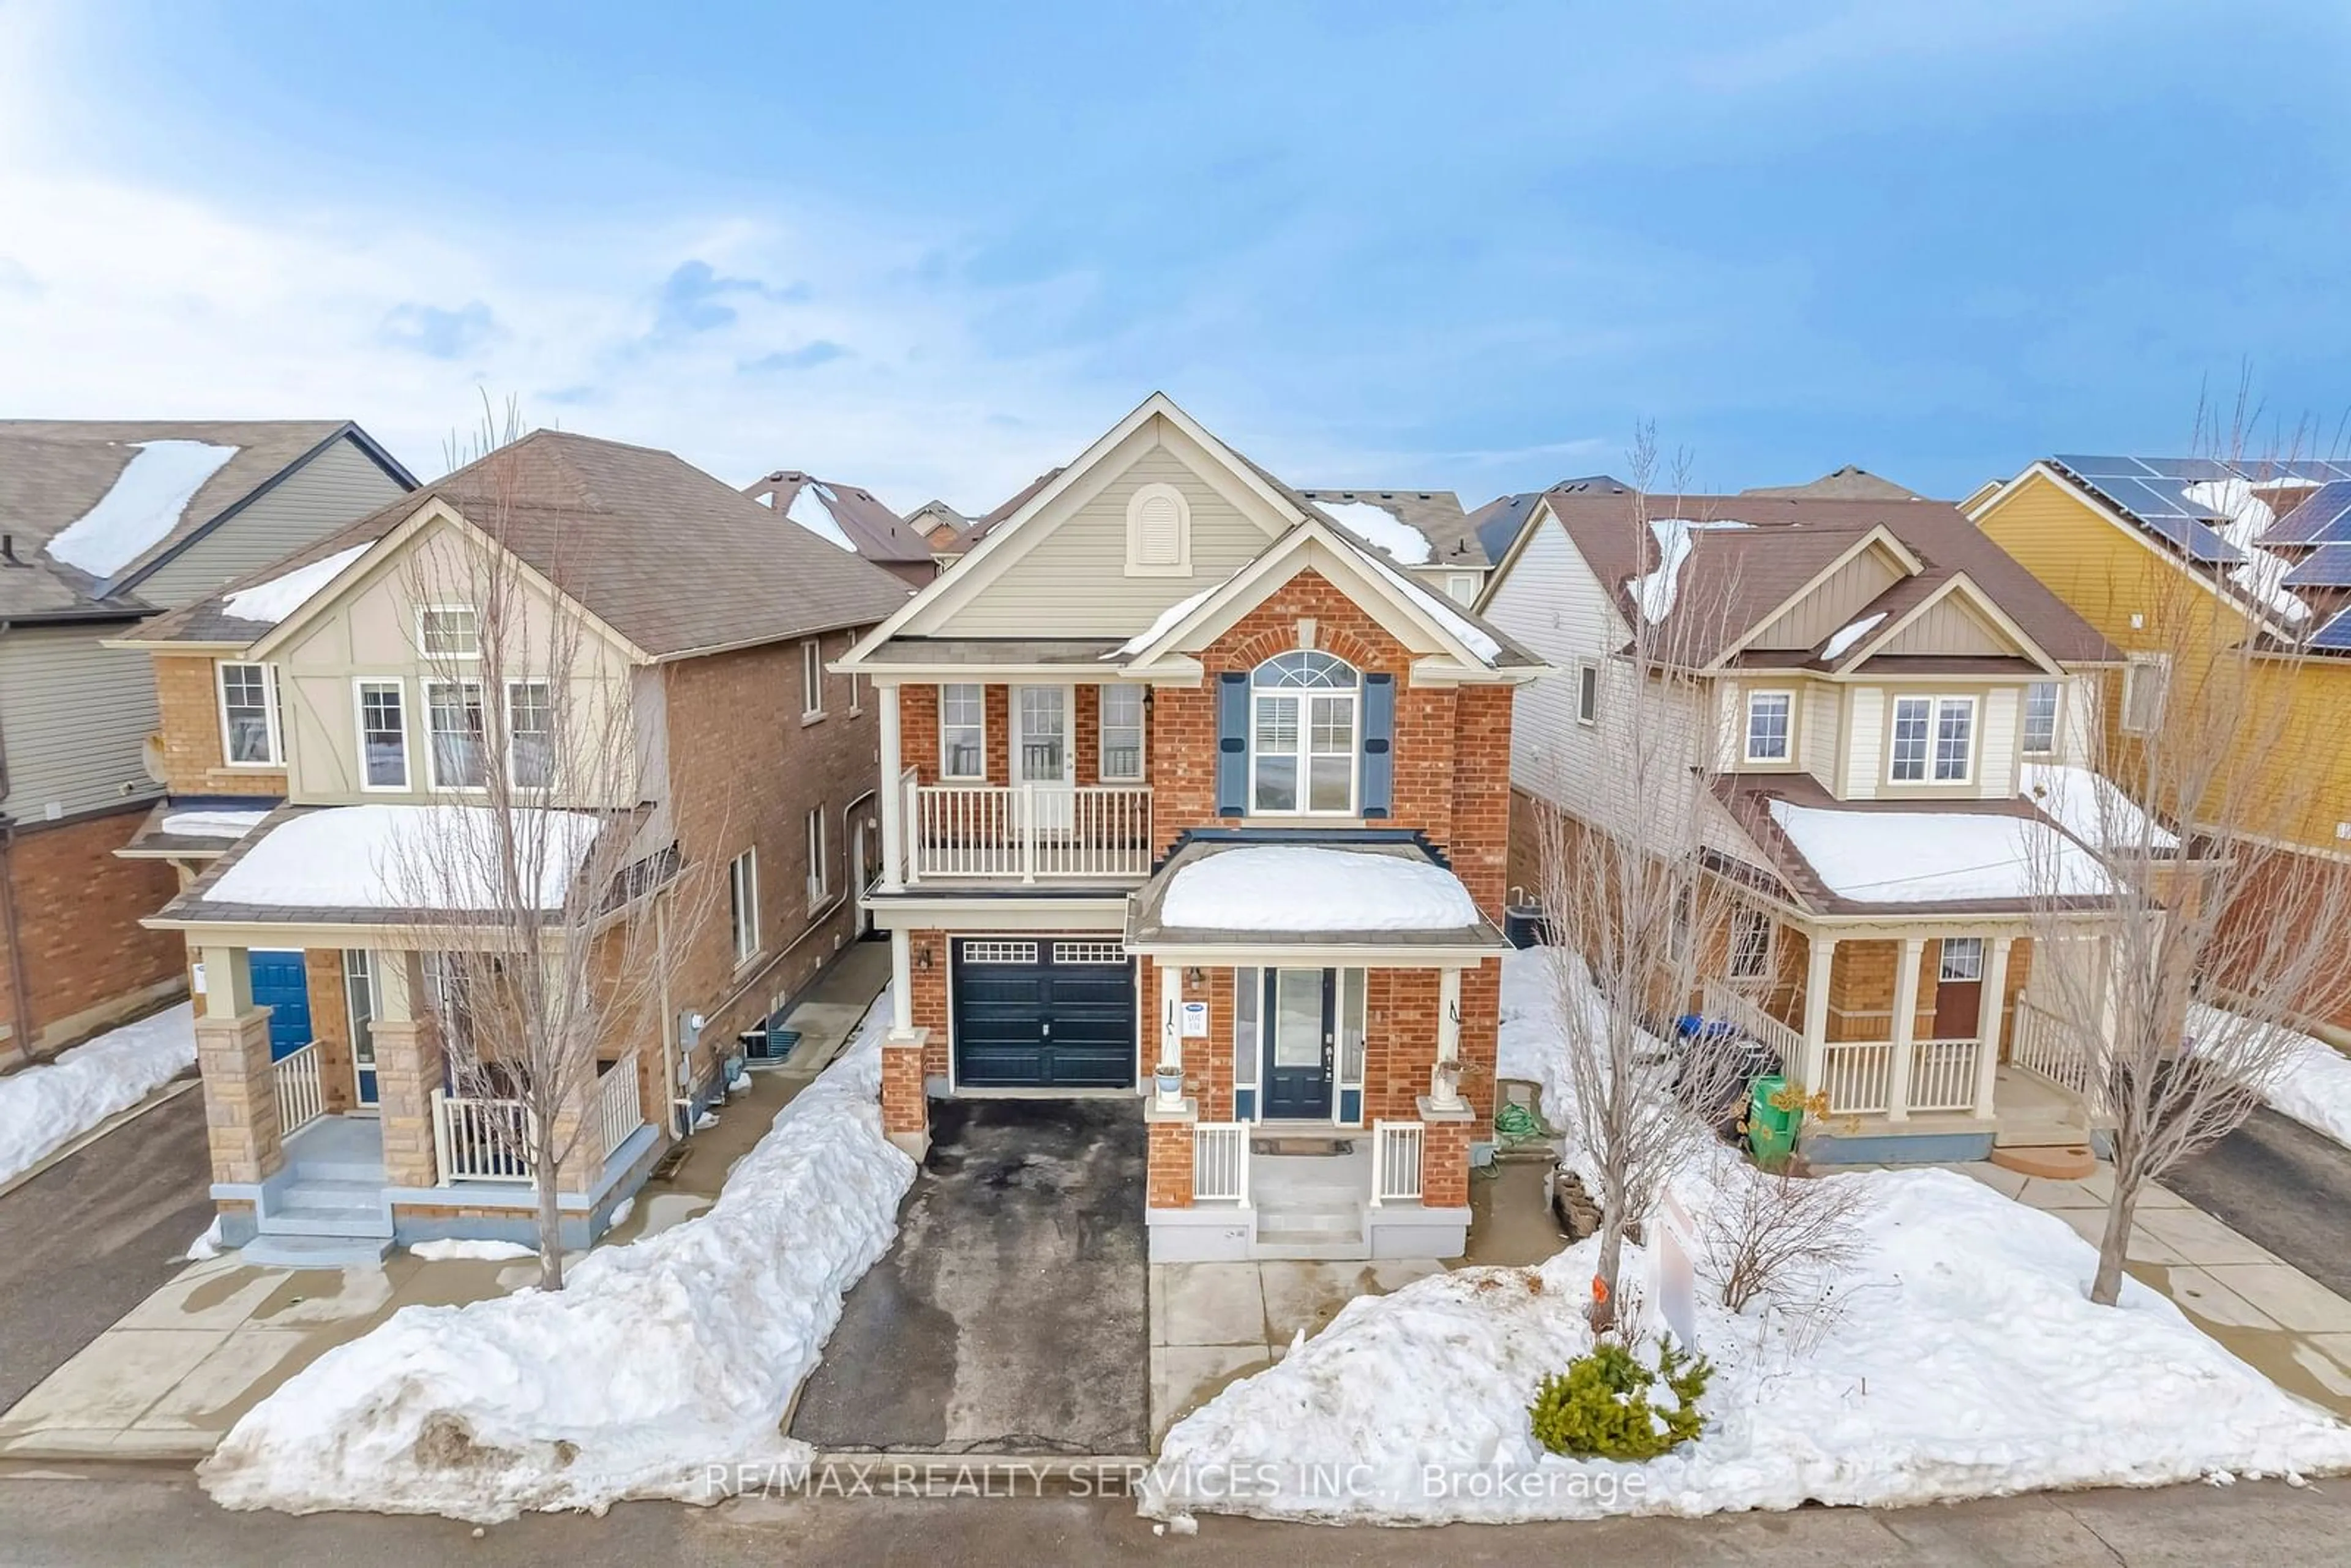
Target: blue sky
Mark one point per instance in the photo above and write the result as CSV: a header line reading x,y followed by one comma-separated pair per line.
x,y
936,249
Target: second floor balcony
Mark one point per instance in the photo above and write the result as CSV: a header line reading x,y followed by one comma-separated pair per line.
x,y
1025,832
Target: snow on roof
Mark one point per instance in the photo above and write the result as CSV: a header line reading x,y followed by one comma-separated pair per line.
x,y
1434,606
1309,887
1168,621
1402,542
1932,857
274,600
2261,573
1846,636
809,511
1654,593
2091,808
142,506
402,857
212,824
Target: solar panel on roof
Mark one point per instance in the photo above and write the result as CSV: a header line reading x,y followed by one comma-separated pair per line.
x,y
2188,470
2092,468
2329,566
2336,636
2324,517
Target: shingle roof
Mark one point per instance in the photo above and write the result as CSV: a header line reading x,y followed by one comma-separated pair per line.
x,y
987,523
1434,515
1850,483
877,533
54,471
675,560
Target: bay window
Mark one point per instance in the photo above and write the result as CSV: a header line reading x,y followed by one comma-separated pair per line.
x,y
2041,718
1768,720
1933,741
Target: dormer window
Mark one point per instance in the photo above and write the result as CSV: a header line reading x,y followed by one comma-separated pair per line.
x,y
1769,715
1934,740
1158,532
1302,735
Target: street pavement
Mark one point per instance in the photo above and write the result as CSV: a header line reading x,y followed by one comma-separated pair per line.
x,y
84,1241
2284,1186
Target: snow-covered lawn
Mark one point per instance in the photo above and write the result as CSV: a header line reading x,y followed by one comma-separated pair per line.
x,y
658,1359
2312,1085
44,1108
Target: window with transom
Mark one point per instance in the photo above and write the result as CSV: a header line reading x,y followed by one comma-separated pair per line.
x,y
1304,733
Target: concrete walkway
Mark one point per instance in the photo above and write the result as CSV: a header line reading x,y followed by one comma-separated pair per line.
x,y
2270,1315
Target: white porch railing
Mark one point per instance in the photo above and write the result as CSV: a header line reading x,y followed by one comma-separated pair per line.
x,y
481,1140
1943,1074
1723,1001
1396,1161
1858,1075
301,1093
1220,1154
620,1109
2040,1043
1029,831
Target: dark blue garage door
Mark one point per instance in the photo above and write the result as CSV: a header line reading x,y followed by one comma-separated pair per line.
x,y
281,984
1043,1012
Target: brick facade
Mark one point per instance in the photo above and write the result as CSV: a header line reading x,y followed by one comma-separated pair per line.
x,y
187,691
1169,1166
88,964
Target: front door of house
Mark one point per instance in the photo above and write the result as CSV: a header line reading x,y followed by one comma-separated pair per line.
x,y
281,982
1959,989
1298,1043
1042,756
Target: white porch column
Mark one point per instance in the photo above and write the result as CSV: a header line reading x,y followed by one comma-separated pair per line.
x,y
902,983
893,826
1448,1015
1819,955
1988,1024
1906,1028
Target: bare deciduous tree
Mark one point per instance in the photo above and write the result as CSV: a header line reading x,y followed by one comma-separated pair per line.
x,y
551,903
1785,1240
2200,778
1623,885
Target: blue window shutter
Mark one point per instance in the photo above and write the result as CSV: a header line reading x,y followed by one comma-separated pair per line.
x,y
1232,745
1379,744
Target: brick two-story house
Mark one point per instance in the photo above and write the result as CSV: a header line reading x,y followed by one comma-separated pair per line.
x,y
1192,792
347,697
1882,786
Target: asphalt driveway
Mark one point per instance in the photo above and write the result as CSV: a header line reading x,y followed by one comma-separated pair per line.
x,y
1011,1317
85,1240
2278,1183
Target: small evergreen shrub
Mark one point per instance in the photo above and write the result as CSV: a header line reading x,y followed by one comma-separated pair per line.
x,y
1599,1408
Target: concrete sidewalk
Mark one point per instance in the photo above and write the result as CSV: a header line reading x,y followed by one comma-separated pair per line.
x,y
2270,1315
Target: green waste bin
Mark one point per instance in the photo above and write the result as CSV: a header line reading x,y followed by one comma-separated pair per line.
x,y
1770,1132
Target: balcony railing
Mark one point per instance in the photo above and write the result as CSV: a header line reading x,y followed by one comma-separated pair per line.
x,y
1027,832
1220,1155
1396,1149
1722,1001
481,1140
619,1109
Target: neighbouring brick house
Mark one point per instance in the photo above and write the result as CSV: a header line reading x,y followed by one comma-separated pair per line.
x,y
354,686
1880,715
1183,780
102,524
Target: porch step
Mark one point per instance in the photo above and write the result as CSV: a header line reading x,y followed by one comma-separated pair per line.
x,y
300,1220
2051,1162
1310,1245
357,1196
314,1252
307,1172
1324,1222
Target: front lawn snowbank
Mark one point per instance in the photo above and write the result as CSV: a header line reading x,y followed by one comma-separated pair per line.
x,y
658,1359
1969,1362
44,1108
2312,1084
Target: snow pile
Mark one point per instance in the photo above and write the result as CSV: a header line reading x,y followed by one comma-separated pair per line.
x,y
2312,1084
454,1251
657,1359
2092,808
45,1107
2246,518
141,508
1307,887
1531,1044
1847,635
1402,543
1922,857
1969,1362
809,511
212,824
402,857
275,600
1167,622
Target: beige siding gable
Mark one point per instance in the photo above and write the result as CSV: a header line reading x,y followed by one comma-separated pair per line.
x,y
1063,574
1953,628
1821,612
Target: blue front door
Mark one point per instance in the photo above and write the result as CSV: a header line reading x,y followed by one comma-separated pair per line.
x,y
1298,1043
281,984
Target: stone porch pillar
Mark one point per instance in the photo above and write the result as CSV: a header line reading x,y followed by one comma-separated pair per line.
x,y
1819,957
1908,958
241,1123
409,1071
1994,1008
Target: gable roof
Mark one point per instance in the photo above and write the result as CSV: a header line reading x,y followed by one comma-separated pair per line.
x,y
677,562
989,521
1747,556
1850,483
872,529
1434,517
92,508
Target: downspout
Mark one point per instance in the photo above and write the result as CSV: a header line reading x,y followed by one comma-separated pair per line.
x,y
668,1018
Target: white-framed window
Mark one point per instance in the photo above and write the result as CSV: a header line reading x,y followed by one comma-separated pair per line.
x,y
2041,718
1302,734
820,858
1934,740
1587,692
812,678
383,735
1158,532
1111,952
1769,719
531,734
1122,733
456,745
999,952
2147,684
856,695
252,728
1962,958
449,631
963,732
1461,587
1751,944
743,905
